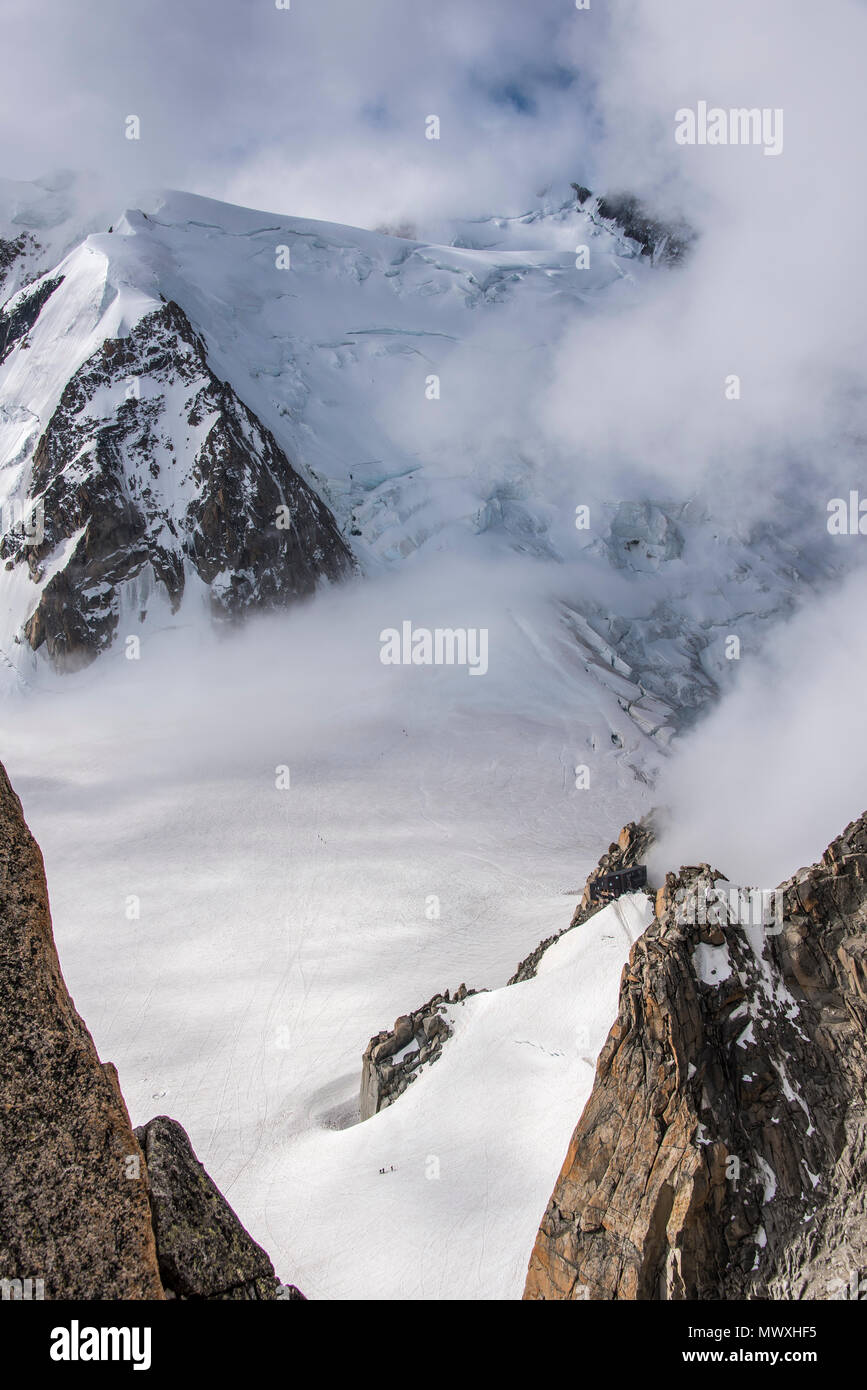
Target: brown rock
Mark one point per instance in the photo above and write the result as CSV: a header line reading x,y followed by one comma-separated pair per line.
x,y
203,1250
73,1186
722,1153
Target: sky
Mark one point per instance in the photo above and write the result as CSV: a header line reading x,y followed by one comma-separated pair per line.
x,y
320,109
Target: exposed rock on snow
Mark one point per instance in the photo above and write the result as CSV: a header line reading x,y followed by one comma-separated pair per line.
x,y
630,848
667,242
152,470
202,1248
722,1151
18,316
17,256
391,1059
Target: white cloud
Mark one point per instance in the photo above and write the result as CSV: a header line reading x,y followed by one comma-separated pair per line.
x,y
780,767
317,110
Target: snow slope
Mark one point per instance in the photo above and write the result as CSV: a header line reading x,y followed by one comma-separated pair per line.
x,y
332,353
472,1150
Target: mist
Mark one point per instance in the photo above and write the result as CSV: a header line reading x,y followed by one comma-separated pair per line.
x,y
780,766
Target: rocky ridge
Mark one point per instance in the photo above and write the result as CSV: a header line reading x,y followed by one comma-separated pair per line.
x,y
721,1154
18,316
393,1057
628,849
151,472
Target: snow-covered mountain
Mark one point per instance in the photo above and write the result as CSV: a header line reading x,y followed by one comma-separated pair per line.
x,y
213,409
150,473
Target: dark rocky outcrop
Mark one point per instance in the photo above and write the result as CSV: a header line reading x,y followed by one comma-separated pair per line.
x,y
630,848
10,249
179,478
202,1248
665,242
18,258
19,315
722,1151
392,1058
89,1207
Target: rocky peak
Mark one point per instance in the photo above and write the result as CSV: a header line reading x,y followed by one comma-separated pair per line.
x,y
665,242
721,1153
153,474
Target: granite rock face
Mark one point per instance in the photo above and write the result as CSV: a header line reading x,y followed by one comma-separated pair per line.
x,y
89,1207
392,1058
73,1187
202,1248
721,1154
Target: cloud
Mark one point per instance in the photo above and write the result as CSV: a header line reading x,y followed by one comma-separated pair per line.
x,y
315,110
773,293
780,767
